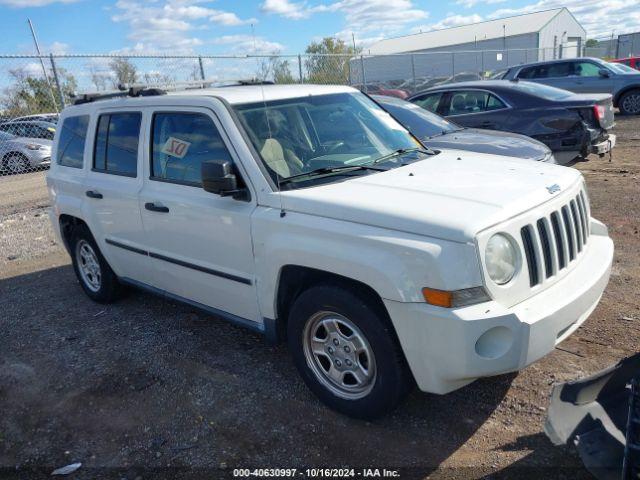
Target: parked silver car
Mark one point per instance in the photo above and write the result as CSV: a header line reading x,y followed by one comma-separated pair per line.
x,y
585,75
18,155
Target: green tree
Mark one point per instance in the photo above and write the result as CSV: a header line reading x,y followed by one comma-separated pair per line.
x,y
124,72
328,61
592,42
30,94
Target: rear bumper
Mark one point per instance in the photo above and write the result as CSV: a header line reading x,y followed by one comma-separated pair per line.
x,y
604,146
447,349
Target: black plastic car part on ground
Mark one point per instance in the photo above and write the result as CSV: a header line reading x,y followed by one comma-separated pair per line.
x,y
571,125
600,415
437,132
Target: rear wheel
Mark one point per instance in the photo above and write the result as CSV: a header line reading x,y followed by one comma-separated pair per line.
x,y
15,162
629,103
346,351
96,278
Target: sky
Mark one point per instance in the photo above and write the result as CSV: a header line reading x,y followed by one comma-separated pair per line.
x,y
264,26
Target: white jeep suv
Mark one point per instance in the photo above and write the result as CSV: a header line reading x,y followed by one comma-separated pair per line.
x,y
309,214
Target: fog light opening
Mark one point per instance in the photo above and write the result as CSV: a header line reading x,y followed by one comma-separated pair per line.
x,y
494,343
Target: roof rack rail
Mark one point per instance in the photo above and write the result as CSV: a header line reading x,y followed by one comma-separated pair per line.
x,y
148,90
123,91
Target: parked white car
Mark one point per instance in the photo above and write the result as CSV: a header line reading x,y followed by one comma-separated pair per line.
x,y
309,214
19,155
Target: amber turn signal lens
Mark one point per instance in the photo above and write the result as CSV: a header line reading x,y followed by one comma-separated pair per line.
x,y
439,298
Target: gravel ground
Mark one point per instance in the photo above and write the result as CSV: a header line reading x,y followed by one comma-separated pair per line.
x,y
146,388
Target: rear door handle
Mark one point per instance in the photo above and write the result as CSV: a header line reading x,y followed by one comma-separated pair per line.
x,y
156,208
92,194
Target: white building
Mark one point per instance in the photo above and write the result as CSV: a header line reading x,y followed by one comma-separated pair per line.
x,y
477,47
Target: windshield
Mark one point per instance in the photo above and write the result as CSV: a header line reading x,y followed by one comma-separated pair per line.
x,y
621,68
541,90
299,135
422,123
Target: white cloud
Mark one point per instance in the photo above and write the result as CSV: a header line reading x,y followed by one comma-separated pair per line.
x,y
473,3
157,26
362,17
451,20
32,3
248,44
598,17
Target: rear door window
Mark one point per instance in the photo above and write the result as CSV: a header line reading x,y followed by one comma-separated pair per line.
x,y
73,134
116,145
180,142
464,102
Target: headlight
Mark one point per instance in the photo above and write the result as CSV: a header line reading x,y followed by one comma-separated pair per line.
x,y
34,146
501,259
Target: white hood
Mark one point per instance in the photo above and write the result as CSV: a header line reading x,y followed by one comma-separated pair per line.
x,y
452,196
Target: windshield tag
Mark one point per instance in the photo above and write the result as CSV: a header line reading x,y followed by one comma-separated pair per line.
x,y
175,147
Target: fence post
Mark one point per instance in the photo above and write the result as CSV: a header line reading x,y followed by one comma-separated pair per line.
x,y
300,68
364,77
57,80
202,77
453,65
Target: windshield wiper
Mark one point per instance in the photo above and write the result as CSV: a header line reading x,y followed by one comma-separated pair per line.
x,y
331,170
403,151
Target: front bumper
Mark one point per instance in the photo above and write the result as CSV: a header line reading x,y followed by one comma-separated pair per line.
x,y
39,158
444,347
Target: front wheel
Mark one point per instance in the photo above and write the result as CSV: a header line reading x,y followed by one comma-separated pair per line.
x,y
629,103
15,162
345,349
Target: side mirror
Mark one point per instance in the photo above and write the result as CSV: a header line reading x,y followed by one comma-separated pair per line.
x,y
218,177
604,73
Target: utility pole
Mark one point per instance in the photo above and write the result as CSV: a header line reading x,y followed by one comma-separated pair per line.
x,y
44,70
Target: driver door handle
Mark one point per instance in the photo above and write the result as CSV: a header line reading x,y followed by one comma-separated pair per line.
x,y
156,208
93,194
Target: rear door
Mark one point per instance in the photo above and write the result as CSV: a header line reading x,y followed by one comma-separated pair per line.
x,y
111,192
200,243
477,109
556,74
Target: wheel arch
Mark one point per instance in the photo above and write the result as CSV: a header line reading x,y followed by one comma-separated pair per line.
x,y
68,224
293,280
619,95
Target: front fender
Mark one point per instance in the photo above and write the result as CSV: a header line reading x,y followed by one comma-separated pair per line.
x,y
397,265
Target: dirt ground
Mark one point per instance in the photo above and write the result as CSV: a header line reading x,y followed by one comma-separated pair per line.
x,y
150,389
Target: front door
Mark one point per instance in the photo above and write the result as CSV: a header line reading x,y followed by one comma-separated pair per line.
x,y
588,79
200,243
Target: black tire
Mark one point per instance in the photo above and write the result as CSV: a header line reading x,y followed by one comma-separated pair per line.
x,y
109,288
629,103
392,380
22,161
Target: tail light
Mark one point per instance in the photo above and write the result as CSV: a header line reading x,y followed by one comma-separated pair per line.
x,y
598,112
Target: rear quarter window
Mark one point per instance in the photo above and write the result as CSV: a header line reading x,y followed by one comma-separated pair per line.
x,y
71,141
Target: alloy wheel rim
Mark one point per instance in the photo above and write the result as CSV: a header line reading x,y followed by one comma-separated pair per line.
x,y
88,266
339,355
632,103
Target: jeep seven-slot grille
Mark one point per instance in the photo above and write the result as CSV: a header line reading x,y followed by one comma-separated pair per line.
x,y
554,241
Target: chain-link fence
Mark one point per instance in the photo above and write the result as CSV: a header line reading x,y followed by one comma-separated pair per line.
x,y
34,89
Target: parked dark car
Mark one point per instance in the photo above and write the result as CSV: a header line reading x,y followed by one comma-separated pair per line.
x,y
571,125
437,132
375,89
30,129
584,75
